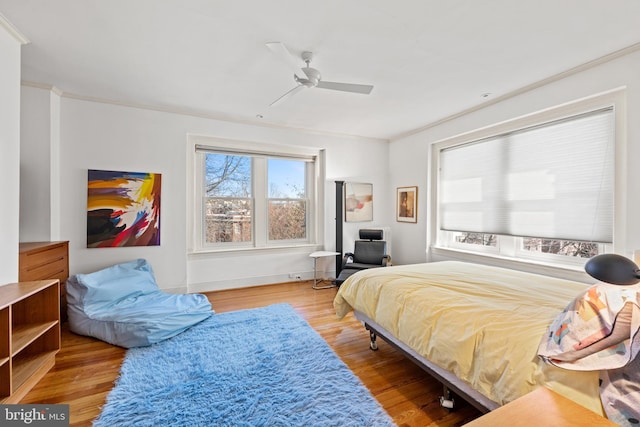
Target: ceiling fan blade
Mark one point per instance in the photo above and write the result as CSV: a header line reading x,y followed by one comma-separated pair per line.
x,y
287,95
283,53
346,87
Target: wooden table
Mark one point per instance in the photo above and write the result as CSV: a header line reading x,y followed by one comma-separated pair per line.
x,y
541,407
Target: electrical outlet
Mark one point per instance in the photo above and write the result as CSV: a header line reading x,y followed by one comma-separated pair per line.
x,y
297,277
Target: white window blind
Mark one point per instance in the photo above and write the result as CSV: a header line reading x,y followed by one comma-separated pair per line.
x,y
551,181
256,153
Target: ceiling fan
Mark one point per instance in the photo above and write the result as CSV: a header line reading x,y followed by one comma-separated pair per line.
x,y
307,77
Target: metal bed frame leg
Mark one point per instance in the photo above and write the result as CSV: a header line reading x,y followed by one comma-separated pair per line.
x,y
373,345
446,400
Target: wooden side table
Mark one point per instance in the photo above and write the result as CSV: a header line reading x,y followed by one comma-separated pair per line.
x,y
315,256
542,407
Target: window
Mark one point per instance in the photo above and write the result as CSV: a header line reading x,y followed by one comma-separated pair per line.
x,y
477,239
561,247
551,250
287,200
227,199
544,190
251,199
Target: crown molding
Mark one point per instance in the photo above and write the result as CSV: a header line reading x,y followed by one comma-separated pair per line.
x,y
43,86
193,113
11,29
571,71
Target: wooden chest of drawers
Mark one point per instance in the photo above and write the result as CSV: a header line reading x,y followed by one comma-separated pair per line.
x,y
46,260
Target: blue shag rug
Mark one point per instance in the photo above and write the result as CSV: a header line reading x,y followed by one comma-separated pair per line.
x,y
257,367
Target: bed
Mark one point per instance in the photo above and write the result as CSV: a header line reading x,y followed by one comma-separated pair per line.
x,y
475,328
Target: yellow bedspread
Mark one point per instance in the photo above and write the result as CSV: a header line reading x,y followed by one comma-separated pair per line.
x,y
481,323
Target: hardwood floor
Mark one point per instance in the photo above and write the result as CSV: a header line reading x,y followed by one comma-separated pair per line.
x,y
86,368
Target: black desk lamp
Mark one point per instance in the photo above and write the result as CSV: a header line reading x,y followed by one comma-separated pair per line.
x,y
614,269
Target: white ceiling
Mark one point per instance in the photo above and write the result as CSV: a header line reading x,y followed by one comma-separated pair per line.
x,y
428,59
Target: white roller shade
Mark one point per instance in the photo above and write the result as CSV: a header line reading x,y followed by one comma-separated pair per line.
x,y
551,181
256,153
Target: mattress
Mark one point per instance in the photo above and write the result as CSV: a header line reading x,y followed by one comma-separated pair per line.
x,y
481,323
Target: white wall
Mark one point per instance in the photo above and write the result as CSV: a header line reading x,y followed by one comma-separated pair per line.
x,y
10,44
409,158
96,135
39,136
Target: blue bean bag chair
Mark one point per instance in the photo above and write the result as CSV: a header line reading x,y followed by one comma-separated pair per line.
x,y
123,305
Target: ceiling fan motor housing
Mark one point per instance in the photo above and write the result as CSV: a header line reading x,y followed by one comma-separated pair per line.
x,y
313,77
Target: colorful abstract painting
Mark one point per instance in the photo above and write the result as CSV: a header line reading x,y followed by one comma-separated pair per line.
x,y
123,209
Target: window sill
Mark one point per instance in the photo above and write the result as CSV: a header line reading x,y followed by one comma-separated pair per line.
x,y
567,271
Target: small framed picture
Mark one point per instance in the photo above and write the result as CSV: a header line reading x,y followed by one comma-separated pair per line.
x,y
358,202
407,204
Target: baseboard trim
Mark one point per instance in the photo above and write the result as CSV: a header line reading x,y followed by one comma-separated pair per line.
x,y
219,285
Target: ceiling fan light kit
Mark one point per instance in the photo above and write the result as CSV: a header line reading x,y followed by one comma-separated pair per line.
x,y
309,77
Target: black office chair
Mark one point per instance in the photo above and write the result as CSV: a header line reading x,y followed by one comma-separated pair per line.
x,y
369,252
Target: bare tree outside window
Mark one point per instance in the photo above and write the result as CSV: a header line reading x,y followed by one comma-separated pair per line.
x,y
561,247
482,239
227,201
287,219
536,245
287,204
227,175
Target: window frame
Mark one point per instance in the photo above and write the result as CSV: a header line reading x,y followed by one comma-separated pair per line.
x,y
509,247
314,182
